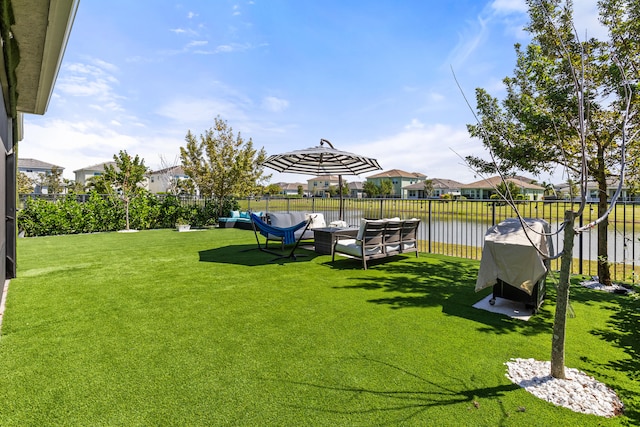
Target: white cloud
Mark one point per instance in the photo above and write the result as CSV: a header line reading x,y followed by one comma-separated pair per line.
x,y
191,15
415,124
201,112
506,7
274,105
197,43
468,42
178,30
434,150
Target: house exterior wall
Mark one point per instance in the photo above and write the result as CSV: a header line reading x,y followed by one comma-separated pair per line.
x,y
161,182
318,186
8,202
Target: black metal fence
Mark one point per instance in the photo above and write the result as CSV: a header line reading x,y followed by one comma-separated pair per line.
x,y
457,227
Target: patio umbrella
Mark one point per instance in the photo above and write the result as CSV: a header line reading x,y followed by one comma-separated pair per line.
x,y
322,160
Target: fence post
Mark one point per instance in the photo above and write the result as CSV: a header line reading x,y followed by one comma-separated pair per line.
x,y
580,241
429,227
493,213
381,208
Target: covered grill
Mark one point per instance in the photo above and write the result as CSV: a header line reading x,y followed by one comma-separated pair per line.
x,y
512,265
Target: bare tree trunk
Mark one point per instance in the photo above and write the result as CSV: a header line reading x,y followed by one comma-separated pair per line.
x,y
126,212
604,273
562,299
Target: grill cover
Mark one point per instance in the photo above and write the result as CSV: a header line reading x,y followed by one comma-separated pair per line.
x,y
509,255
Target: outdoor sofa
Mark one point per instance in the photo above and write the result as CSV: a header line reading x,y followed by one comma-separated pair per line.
x,y
379,238
289,219
238,219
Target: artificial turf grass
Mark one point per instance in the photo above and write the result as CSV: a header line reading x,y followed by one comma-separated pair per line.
x,y
168,328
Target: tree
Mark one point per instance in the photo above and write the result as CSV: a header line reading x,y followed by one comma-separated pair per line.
x,y
371,188
507,189
124,177
572,189
52,181
300,190
167,177
386,187
428,187
538,124
222,164
73,186
25,184
272,189
570,99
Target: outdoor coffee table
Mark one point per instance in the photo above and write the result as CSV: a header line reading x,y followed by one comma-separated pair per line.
x,y
324,238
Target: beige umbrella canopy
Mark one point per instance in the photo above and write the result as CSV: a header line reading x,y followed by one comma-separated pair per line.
x,y
322,160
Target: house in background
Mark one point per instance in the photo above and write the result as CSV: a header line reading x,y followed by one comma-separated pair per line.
x,y
33,169
163,180
319,186
399,179
31,58
485,188
627,193
439,187
291,188
82,175
356,190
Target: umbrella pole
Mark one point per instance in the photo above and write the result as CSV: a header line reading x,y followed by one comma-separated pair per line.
x,y
340,193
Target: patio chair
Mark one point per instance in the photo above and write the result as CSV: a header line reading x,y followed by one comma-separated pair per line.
x,y
287,234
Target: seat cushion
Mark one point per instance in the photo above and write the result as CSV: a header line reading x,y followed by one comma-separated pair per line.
x,y
280,219
297,217
353,248
349,246
317,220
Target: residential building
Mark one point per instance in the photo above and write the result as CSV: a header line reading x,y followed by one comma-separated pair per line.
x,y
439,187
292,188
399,179
485,188
82,175
34,169
627,193
356,190
319,186
164,180
31,59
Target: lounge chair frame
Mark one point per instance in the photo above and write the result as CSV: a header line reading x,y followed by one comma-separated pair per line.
x,y
287,235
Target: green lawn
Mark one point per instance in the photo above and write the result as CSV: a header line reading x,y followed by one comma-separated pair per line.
x,y
167,328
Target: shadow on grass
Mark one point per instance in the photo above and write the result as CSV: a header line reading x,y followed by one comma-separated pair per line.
x,y
397,406
249,255
623,331
439,282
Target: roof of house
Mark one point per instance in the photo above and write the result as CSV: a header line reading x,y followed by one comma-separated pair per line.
x,y
36,164
494,181
438,183
324,178
355,185
395,173
291,186
174,170
99,167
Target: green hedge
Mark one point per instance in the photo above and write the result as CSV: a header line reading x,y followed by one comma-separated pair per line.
x,y
67,215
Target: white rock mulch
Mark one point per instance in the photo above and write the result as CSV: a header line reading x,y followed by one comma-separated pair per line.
x,y
579,392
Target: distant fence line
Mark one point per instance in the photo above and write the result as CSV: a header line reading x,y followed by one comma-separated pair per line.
x,y
457,227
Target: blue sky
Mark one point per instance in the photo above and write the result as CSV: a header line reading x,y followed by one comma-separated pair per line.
x,y
373,77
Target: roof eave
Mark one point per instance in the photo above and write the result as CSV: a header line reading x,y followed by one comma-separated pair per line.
x,y
42,31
